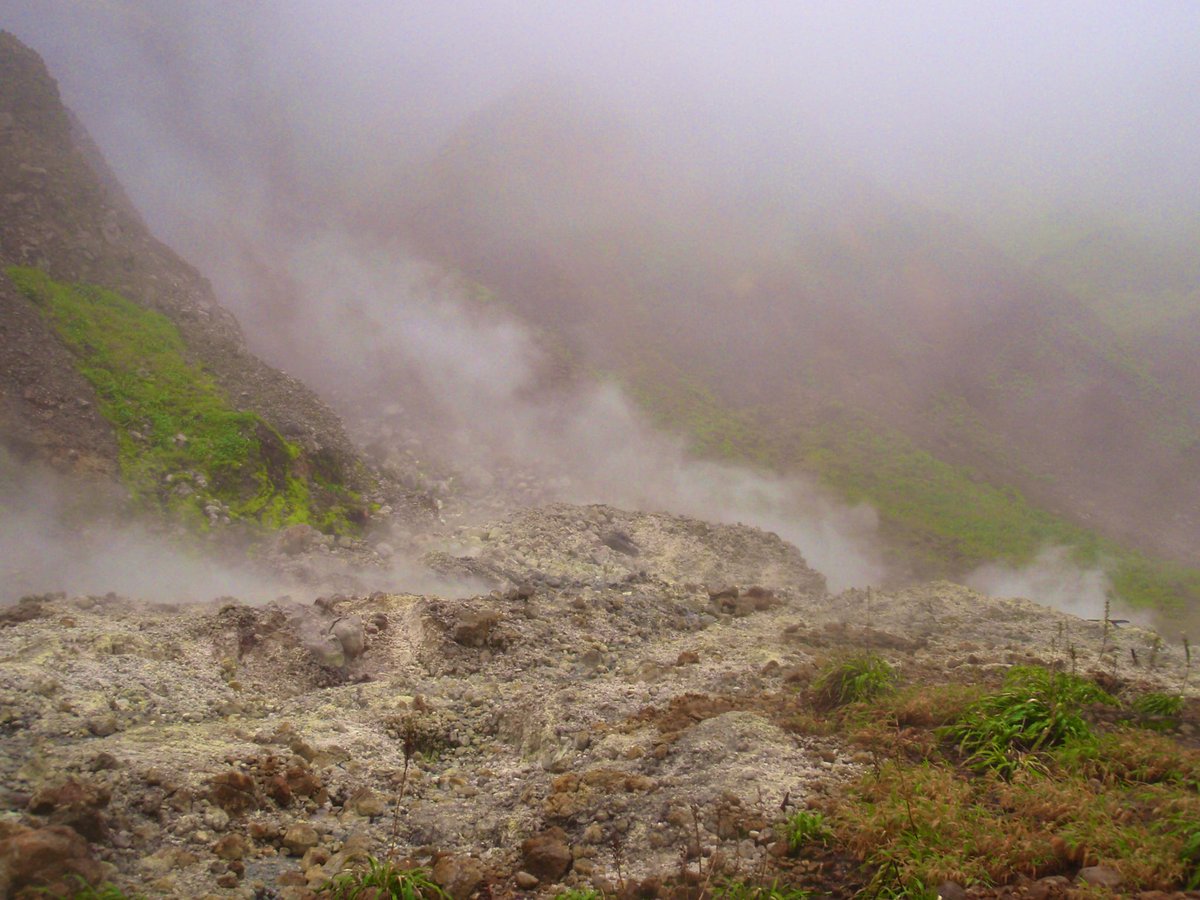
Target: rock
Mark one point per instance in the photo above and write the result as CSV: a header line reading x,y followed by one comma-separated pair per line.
x,y
526,881
233,791
459,876
75,804
46,858
621,542
349,632
329,651
300,838
232,846
297,539
103,726
367,803
216,818
1100,876
547,855
951,890
474,628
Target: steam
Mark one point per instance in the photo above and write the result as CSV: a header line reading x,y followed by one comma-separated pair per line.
x,y
60,535
390,334
248,139
1052,579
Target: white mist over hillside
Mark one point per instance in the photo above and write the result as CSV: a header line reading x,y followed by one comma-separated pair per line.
x,y
374,324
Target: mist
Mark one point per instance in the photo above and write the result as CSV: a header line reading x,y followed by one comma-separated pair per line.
x,y
279,147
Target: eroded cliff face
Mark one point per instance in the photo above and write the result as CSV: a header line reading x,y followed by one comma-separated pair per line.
x,y
66,399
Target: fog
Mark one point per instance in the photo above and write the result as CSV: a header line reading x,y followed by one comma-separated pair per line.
x,y
279,147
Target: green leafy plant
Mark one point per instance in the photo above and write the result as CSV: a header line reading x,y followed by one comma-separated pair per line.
x,y
775,890
579,894
805,827
1191,860
1036,711
1158,711
85,891
383,880
852,679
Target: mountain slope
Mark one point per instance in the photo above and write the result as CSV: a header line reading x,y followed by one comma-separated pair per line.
x,y
86,373
794,299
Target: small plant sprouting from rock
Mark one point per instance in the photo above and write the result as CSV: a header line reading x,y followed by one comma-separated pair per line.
x,y
383,880
1187,660
775,890
805,827
579,894
852,679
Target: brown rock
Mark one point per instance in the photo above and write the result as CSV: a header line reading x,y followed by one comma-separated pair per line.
x,y
526,882
547,856
75,804
474,628
232,846
48,858
299,838
459,876
367,803
233,791
951,890
278,789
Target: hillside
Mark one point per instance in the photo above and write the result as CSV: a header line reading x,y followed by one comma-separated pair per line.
x,y
117,361
649,712
808,307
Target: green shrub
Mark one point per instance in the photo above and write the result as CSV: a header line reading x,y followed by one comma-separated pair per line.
x,y
383,880
740,890
852,679
805,827
1037,710
1157,711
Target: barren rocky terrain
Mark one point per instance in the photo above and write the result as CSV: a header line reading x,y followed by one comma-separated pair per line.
x,y
627,702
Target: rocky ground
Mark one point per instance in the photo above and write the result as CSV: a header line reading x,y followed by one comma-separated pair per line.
x,y
596,698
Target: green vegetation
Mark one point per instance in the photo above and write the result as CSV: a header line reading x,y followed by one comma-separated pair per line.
x,y
1036,711
579,894
805,827
182,446
1157,711
775,890
1018,782
851,680
942,519
385,881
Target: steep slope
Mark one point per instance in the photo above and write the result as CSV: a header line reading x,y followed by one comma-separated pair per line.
x,y
116,357
804,296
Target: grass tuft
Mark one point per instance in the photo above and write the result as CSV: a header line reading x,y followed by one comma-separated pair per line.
x,y
853,679
383,880
805,827
1036,711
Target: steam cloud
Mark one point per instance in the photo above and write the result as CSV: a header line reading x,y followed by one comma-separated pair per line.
x,y
243,150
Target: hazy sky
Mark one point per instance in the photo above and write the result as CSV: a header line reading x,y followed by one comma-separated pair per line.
x,y
956,99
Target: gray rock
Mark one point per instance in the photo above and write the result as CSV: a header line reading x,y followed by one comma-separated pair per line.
x,y
349,632
1100,876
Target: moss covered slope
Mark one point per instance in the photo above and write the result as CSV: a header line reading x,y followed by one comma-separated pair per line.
x,y
183,448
